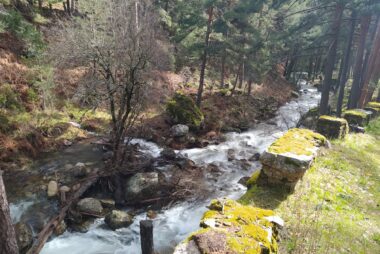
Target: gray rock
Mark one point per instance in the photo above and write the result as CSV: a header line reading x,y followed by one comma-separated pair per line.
x,y
141,186
168,154
118,219
179,130
231,154
108,203
60,229
52,189
295,94
24,236
90,206
189,247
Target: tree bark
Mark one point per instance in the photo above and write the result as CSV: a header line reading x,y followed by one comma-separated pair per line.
x,y
223,70
8,243
210,12
329,68
370,68
346,65
146,233
68,7
355,90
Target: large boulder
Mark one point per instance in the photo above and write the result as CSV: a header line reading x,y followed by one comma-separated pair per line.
x,y
182,110
357,116
90,206
179,130
288,158
118,219
332,127
24,236
142,186
229,227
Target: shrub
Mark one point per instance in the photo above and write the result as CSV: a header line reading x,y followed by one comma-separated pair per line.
x,y
14,22
182,110
9,98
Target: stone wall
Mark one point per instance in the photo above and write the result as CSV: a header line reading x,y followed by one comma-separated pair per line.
x,y
332,127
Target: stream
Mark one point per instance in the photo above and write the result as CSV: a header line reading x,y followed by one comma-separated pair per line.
x,y
174,224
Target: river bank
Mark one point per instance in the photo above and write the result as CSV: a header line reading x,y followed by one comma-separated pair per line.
x,y
173,223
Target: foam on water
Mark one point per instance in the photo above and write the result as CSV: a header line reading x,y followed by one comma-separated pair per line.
x,y
173,225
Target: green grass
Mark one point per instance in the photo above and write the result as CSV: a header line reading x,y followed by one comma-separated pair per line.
x,y
335,207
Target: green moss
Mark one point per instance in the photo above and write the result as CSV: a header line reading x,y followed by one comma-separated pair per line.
x,y
9,98
298,142
355,112
374,104
183,110
244,226
333,119
253,179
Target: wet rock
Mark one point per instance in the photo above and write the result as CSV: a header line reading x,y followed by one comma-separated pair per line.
x,y
179,130
83,227
295,94
90,206
255,157
185,163
60,229
243,180
211,135
68,166
231,154
64,189
24,236
142,186
151,214
52,189
356,129
108,203
212,168
168,154
118,219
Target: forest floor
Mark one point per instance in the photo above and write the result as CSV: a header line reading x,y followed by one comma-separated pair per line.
x,y
335,207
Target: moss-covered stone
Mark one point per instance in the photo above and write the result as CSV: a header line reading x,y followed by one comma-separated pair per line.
x,y
287,159
375,111
297,142
253,179
332,127
357,117
374,104
182,110
234,229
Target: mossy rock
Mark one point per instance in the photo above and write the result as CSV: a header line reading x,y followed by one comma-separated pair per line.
x,y
288,158
182,110
233,228
375,111
253,179
332,127
357,116
298,142
374,104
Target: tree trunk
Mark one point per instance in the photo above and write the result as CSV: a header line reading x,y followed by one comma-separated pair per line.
x,y
329,68
210,12
310,71
249,87
68,7
40,4
355,90
8,243
241,79
346,65
370,67
222,71
236,80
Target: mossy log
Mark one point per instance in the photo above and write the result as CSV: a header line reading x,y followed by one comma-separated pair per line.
x,y
288,158
332,127
229,227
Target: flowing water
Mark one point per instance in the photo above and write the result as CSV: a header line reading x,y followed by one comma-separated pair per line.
x,y
174,224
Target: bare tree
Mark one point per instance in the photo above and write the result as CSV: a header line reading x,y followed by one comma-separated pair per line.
x,y
117,41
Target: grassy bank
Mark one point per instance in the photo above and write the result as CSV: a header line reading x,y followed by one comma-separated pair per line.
x,y
335,208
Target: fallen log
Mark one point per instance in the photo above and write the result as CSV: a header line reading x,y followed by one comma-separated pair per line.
x,y
48,230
